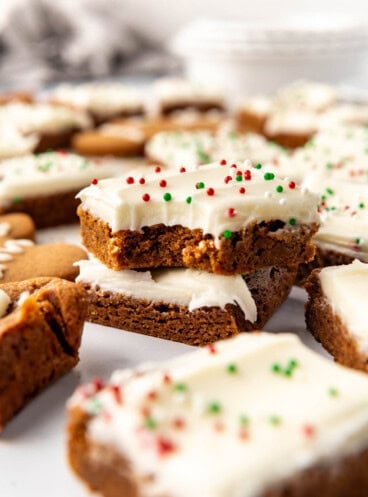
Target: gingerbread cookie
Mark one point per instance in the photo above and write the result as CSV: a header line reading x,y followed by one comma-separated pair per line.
x,y
16,226
22,259
40,333
16,96
44,185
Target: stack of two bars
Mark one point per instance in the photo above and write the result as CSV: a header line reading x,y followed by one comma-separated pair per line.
x,y
193,255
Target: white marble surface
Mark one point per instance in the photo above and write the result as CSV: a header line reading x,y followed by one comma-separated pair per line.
x,y
32,447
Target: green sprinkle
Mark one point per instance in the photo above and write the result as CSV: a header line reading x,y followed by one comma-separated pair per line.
x,y
239,177
333,392
232,368
180,387
279,189
292,221
167,196
275,420
258,166
232,135
329,165
84,164
330,191
95,406
276,368
203,157
268,176
214,407
323,197
357,241
293,363
227,234
44,167
244,420
150,423
188,200
200,185
17,200
361,205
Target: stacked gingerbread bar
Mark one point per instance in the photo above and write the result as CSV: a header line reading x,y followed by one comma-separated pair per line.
x,y
193,255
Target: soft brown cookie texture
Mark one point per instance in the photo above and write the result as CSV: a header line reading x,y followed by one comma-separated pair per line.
x,y
256,246
16,226
328,328
269,288
39,340
97,143
54,260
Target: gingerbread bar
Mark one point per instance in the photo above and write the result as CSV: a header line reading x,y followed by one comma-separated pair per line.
x,y
224,218
335,312
40,334
258,415
184,305
102,100
44,185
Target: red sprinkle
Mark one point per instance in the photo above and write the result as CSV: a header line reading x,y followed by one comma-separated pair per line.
x,y
146,197
212,349
244,434
94,181
292,185
239,173
142,181
219,426
223,162
152,395
231,212
242,190
167,379
233,165
157,169
164,446
178,423
210,192
163,183
115,390
62,152
227,179
247,175
130,180
98,384
182,170
309,431
145,411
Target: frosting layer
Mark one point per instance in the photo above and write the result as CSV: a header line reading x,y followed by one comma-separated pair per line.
x,y
180,286
232,419
216,198
48,173
345,288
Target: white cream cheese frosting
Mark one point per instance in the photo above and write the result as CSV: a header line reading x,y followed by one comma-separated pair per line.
x,y
173,90
43,117
4,303
191,148
188,287
229,420
258,104
13,143
291,121
216,198
306,95
100,98
345,288
48,173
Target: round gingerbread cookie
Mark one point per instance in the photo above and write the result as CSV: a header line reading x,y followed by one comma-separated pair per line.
x,y
16,226
22,259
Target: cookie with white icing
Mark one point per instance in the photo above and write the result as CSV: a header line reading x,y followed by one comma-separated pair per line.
x,y
54,125
225,218
335,312
41,324
185,305
44,185
254,416
21,260
102,100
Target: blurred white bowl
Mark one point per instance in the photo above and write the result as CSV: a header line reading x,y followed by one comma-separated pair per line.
x,y
260,57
